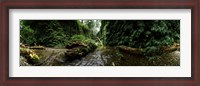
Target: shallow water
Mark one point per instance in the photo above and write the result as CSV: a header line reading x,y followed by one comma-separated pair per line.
x,y
96,58
109,56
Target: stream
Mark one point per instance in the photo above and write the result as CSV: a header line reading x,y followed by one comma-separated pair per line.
x,y
97,58
109,56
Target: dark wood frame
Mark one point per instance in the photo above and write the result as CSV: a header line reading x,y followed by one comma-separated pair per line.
x,y
5,80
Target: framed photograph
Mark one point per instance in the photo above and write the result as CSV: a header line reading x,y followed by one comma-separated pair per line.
x,y
74,42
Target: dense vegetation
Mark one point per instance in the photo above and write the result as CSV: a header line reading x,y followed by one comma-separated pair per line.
x,y
52,33
151,37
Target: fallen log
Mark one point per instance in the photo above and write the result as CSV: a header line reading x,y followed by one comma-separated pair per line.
x,y
37,47
129,49
171,48
164,49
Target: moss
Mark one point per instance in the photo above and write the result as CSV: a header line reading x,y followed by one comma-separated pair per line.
x,y
79,49
30,55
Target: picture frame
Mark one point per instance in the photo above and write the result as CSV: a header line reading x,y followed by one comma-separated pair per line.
x,y
99,4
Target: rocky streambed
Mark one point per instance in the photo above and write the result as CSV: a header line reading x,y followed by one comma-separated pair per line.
x,y
107,56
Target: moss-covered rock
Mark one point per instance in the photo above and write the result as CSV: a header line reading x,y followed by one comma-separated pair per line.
x,y
75,44
30,55
79,49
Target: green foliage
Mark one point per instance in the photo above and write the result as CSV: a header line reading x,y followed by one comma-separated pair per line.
x,y
103,31
81,38
26,34
78,38
88,27
150,35
51,33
